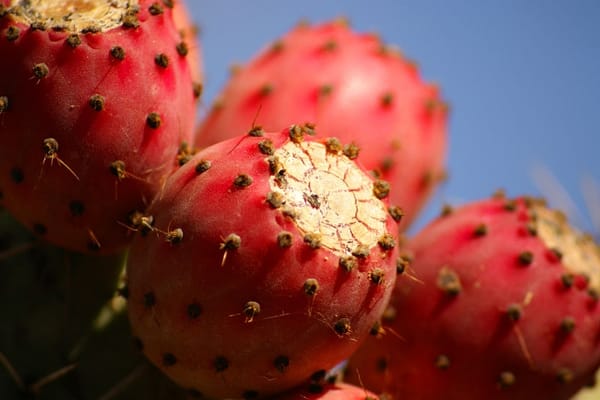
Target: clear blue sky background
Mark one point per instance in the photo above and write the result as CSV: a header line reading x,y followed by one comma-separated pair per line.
x,y
522,78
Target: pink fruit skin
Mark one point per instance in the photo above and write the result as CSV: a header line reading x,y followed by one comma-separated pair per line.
x,y
186,301
338,391
466,346
188,32
83,212
352,87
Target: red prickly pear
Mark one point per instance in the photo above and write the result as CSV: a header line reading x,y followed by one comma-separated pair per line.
x,y
94,103
350,86
269,258
503,304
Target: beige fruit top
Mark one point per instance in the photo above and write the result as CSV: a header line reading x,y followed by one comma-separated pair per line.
x,y
329,197
579,253
73,15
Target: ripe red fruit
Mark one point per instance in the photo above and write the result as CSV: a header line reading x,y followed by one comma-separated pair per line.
x,y
264,260
94,104
502,304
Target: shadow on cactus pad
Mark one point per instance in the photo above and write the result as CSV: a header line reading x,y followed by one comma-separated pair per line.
x,y
64,333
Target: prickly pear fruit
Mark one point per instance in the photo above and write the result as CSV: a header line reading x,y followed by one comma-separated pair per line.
x,y
266,258
94,103
503,304
335,391
351,86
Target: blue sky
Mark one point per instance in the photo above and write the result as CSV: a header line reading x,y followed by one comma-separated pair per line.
x,y
522,78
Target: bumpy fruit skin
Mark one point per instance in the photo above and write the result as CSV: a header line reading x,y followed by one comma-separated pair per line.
x,y
501,303
338,391
231,295
351,86
91,119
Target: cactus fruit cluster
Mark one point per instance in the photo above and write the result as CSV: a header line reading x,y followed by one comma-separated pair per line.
x,y
261,251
